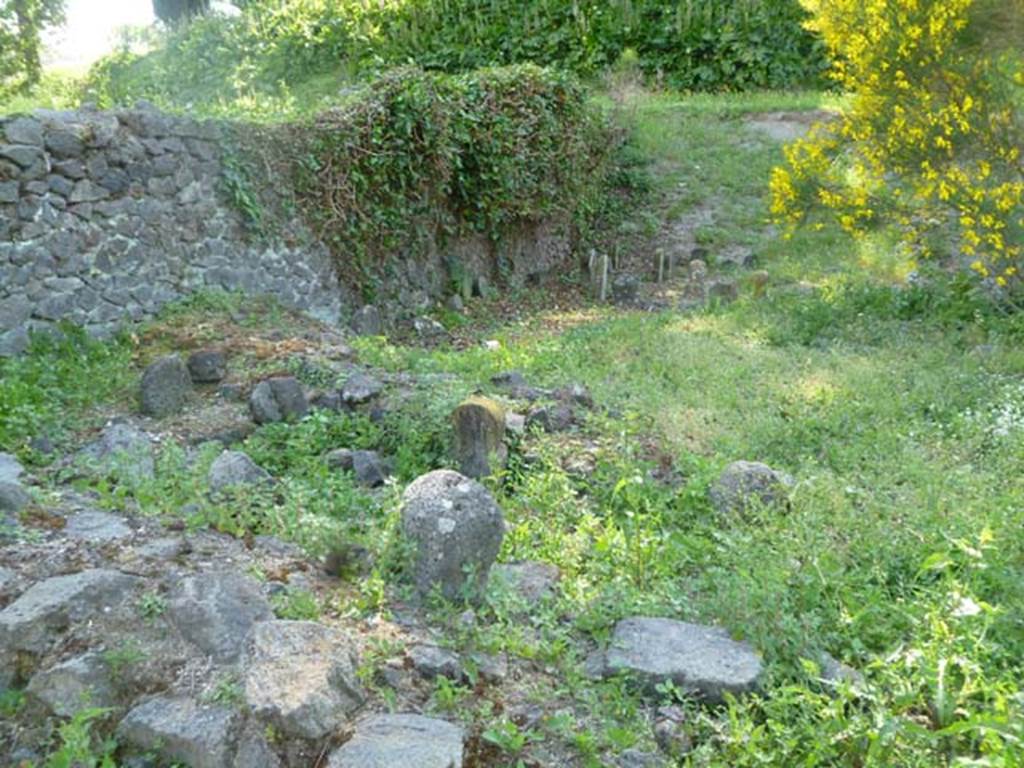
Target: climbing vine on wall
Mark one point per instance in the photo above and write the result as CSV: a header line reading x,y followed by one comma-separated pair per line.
x,y
417,152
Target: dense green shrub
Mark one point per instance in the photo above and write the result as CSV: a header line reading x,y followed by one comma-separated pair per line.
x,y
276,44
417,153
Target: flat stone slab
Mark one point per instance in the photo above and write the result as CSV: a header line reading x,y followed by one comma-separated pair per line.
x,y
50,606
703,660
300,676
401,741
97,527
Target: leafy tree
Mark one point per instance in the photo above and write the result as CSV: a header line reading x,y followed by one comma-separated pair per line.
x,y
172,11
931,140
21,22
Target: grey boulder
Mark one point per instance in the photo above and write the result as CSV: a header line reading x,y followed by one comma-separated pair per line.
x,y
367,321
702,660
745,484
361,388
207,366
122,449
73,685
369,468
456,529
279,399
558,417
216,611
166,387
13,498
433,661
32,621
233,469
180,730
299,676
10,469
401,741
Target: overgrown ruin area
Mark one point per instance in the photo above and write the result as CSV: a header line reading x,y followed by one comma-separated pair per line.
x,y
355,416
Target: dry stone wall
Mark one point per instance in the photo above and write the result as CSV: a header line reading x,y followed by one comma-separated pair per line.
x,y
107,216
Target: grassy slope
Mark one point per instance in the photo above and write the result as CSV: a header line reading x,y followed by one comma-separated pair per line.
x,y
899,413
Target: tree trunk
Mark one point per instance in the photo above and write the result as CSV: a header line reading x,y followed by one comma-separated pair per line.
x,y
26,13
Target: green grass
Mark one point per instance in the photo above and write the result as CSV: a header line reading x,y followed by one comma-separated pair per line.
x,y
898,409
49,390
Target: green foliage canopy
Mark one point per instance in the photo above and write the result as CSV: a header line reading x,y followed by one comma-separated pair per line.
x,y
422,152
21,22
689,44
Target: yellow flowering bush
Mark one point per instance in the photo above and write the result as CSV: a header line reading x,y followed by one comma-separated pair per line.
x,y
932,135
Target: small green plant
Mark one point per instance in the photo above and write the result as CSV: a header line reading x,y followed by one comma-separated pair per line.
x,y
123,656
11,701
151,606
60,375
448,695
236,180
226,691
79,746
508,736
296,604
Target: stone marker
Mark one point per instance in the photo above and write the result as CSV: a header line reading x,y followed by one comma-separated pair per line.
x,y
165,388
401,741
699,659
454,524
479,425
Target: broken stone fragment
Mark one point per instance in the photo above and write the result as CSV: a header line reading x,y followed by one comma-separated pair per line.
x,y
233,469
